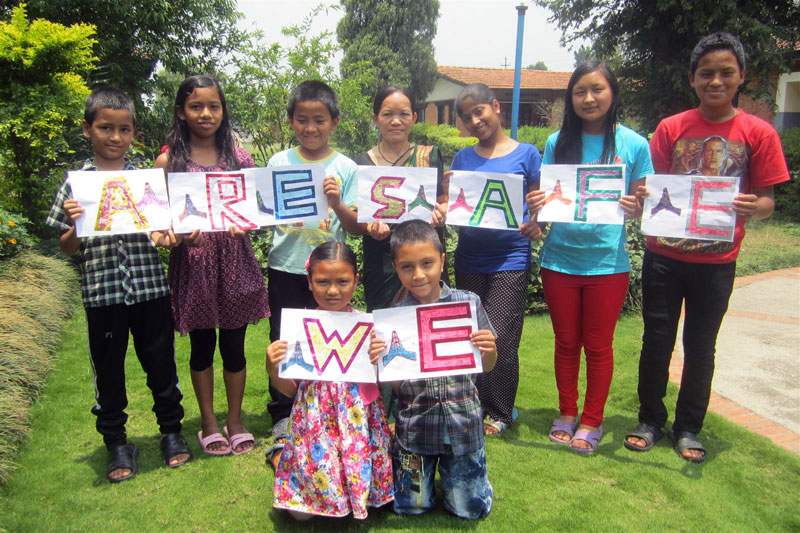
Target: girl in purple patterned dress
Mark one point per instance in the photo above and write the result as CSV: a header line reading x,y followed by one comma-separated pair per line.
x,y
215,279
336,460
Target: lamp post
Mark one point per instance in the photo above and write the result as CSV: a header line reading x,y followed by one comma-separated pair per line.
x,y
517,69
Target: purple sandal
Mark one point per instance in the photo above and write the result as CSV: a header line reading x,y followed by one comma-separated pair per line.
x,y
592,437
566,427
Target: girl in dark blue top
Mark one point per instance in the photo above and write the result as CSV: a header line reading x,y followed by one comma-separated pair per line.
x,y
494,264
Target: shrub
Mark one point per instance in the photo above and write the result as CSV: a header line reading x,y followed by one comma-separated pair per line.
x,y
534,135
787,195
446,137
37,295
14,235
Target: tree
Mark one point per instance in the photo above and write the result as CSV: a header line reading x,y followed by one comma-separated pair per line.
x,y
582,54
42,93
539,65
133,37
653,42
258,91
396,37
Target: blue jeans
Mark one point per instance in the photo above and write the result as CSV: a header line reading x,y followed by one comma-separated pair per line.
x,y
704,289
465,482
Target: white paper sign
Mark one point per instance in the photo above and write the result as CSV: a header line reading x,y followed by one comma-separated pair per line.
x,y
213,201
118,202
486,200
396,194
583,194
290,194
427,341
327,346
695,207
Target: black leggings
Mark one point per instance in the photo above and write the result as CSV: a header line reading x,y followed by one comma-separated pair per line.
x,y
231,348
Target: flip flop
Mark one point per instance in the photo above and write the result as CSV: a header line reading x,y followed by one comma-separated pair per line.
x,y
173,444
498,425
686,440
122,456
649,433
280,430
239,438
211,439
592,437
566,427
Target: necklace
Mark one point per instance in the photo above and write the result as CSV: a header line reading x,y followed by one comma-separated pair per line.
x,y
410,146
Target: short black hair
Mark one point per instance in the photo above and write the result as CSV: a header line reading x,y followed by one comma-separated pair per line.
x,y
412,231
480,93
389,90
332,251
107,98
313,91
717,41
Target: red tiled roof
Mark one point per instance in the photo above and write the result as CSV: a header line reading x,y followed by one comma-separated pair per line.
x,y
503,78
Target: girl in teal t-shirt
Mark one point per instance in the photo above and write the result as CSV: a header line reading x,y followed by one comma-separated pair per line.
x,y
585,267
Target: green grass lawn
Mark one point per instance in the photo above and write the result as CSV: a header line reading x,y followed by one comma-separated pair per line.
x,y
747,483
769,244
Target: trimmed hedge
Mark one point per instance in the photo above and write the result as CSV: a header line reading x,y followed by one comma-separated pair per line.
x,y
446,137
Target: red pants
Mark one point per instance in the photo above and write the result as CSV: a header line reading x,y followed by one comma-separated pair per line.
x,y
584,312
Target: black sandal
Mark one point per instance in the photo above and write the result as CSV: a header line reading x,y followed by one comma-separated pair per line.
x,y
173,444
686,440
122,456
649,433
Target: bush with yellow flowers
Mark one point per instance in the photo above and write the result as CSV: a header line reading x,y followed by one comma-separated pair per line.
x,y
14,235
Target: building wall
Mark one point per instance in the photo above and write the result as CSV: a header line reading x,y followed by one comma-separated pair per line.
x,y
788,101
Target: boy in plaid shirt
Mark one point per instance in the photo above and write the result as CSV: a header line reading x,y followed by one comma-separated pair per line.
x,y
124,290
439,420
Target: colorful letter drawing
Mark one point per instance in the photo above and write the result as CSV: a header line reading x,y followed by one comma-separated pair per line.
x,y
430,337
690,206
290,194
486,200
583,194
109,201
319,338
116,198
224,191
395,194
427,341
393,207
213,201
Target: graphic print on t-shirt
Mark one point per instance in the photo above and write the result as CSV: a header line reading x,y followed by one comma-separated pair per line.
x,y
709,156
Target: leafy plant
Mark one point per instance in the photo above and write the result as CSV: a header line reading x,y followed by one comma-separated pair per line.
x,y
258,91
42,92
14,235
787,194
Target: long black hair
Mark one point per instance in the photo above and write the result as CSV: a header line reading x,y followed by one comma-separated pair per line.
x,y
569,147
178,137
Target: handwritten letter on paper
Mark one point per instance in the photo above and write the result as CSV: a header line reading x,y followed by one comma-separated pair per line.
x,y
327,346
118,202
290,194
427,341
695,207
395,194
583,193
486,200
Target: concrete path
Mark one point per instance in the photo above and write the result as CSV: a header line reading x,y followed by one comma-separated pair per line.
x,y
757,377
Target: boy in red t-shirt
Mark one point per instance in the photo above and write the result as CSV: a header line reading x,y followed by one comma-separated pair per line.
x,y
716,138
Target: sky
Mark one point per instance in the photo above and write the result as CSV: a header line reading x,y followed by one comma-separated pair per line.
x,y
470,33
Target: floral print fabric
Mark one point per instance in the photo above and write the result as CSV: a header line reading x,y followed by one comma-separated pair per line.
x,y
337,458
